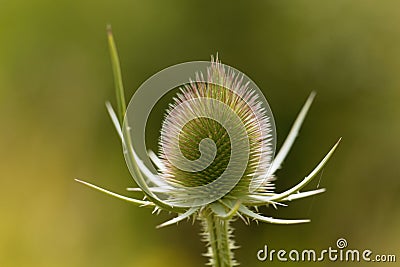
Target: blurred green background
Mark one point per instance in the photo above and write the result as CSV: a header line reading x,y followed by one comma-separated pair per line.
x,y
55,76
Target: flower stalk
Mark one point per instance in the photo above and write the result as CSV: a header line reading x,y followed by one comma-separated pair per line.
x,y
218,235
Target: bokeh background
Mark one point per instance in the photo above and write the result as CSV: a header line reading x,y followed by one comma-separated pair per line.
x,y
55,76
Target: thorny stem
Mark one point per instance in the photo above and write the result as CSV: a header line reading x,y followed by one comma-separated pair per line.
x,y
217,234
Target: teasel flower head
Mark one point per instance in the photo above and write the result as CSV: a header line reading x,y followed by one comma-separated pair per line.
x,y
217,116
216,157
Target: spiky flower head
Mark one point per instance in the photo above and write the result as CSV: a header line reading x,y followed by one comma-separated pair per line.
x,y
206,123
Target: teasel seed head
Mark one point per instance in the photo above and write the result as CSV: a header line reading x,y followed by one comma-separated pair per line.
x,y
183,137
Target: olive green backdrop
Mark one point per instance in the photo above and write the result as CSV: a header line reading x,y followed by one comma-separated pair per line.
x,y
55,76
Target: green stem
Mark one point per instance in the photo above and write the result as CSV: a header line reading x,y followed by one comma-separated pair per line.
x,y
218,233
